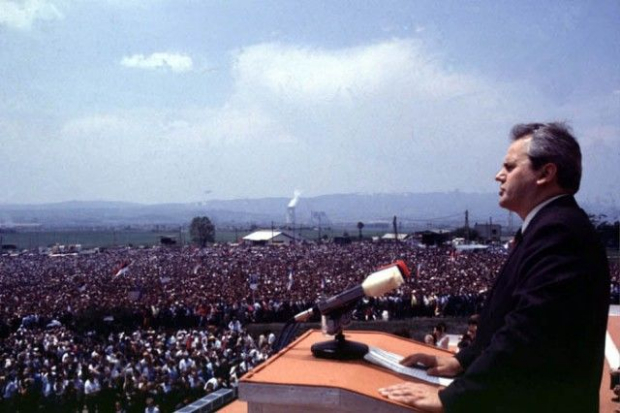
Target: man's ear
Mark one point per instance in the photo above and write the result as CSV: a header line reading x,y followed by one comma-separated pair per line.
x,y
547,174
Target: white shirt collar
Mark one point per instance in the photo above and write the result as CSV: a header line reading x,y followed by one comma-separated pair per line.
x,y
534,211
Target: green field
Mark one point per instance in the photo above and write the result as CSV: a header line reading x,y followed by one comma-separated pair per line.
x,y
110,238
88,239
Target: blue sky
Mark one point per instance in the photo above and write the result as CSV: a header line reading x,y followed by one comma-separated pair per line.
x,y
181,101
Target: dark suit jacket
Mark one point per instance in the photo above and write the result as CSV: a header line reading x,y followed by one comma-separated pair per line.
x,y
541,335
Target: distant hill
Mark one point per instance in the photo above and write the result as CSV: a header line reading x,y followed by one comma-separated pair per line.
x,y
347,208
412,209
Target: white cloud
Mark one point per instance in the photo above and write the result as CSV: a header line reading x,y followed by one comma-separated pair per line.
x,y
173,61
167,155
307,74
22,14
394,107
103,126
183,129
392,90
389,116
319,115
365,101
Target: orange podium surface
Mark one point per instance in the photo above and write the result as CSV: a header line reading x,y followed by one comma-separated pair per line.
x,y
295,381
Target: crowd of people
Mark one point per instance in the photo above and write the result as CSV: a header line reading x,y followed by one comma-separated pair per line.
x,y
171,287
58,370
115,329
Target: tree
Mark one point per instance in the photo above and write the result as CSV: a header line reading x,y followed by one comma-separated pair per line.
x,y
360,226
608,231
201,231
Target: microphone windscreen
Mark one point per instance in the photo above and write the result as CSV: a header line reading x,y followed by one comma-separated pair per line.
x,y
382,281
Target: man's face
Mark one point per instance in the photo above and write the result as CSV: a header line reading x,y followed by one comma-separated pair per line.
x,y
517,179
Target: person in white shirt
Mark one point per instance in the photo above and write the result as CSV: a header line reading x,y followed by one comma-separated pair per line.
x,y
438,337
91,393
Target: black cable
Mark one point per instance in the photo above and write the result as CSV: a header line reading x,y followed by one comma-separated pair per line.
x,y
286,335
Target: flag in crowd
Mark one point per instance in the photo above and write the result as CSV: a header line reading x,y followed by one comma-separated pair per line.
x,y
253,281
290,280
121,269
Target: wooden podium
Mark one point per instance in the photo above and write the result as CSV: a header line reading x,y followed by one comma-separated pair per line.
x,y
295,381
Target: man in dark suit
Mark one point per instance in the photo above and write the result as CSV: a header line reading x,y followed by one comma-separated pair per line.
x,y
541,335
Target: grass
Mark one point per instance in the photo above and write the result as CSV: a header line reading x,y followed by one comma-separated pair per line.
x,y
110,238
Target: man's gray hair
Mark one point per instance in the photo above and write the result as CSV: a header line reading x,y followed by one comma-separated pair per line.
x,y
553,143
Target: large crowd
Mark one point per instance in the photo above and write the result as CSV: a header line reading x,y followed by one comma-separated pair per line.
x,y
126,328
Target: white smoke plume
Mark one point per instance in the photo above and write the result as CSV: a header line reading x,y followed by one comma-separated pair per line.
x,y
295,200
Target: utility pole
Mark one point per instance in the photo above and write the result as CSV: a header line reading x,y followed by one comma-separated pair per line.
x,y
394,224
467,226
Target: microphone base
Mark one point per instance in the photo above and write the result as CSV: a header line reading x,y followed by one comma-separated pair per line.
x,y
339,349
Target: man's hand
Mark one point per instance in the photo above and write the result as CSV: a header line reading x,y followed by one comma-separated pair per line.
x,y
436,365
416,395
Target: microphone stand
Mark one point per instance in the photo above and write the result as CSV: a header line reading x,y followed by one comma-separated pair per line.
x,y
337,311
339,349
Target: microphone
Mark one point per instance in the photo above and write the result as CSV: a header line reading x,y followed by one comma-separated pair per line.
x,y
336,312
386,279
376,284
305,315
